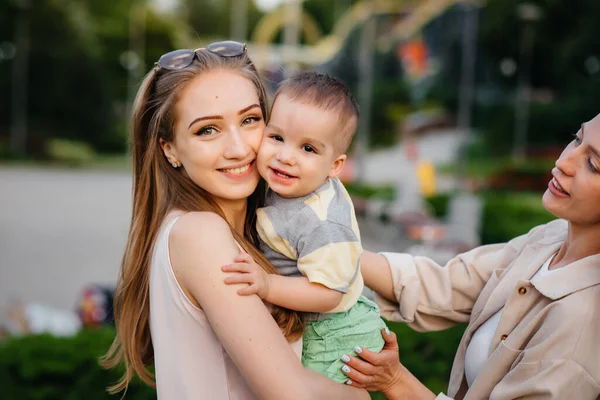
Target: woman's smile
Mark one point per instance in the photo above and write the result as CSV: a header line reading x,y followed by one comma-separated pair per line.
x,y
237,172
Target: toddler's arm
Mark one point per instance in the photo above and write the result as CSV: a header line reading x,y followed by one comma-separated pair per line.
x,y
295,293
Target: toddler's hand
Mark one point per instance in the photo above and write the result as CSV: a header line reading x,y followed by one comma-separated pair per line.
x,y
246,270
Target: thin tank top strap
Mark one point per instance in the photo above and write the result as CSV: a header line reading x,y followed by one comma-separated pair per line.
x,y
171,220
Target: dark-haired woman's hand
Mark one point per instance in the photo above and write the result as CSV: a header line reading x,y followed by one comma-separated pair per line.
x,y
383,372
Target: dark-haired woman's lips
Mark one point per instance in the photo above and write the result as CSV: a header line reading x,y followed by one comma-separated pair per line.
x,y
556,188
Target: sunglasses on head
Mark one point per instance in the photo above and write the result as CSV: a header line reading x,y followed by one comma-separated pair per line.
x,y
180,59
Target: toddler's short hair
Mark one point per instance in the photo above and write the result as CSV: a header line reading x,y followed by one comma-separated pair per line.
x,y
329,93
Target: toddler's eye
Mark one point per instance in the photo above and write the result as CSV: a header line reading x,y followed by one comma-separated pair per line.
x,y
308,149
277,137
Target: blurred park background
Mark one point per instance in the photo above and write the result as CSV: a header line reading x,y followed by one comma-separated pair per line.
x,y
465,105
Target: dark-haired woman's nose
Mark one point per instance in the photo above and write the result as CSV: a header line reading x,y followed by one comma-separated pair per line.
x,y
237,148
567,161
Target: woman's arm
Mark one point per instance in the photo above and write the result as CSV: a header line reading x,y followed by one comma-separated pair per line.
x,y
200,244
376,272
429,296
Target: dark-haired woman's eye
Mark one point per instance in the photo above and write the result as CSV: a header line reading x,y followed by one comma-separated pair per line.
x,y
592,166
577,139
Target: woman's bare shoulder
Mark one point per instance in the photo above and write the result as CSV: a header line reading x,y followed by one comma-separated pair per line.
x,y
199,240
201,227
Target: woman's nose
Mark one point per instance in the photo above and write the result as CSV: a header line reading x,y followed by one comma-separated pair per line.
x,y
567,161
237,148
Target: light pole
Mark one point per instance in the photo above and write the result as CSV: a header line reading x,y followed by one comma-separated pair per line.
x,y
365,90
137,48
291,32
529,13
20,80
239,20
467,88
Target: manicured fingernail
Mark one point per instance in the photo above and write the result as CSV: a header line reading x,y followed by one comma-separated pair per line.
x,y
346,368
348,382
387,331
345,358
357,350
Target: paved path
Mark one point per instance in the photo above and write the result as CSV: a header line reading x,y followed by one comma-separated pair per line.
x,y
63,229
60,230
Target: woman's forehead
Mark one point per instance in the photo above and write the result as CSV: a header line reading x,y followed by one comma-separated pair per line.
x,y
592,127
216,93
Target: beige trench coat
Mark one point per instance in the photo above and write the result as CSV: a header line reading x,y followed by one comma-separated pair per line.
x,y
547,345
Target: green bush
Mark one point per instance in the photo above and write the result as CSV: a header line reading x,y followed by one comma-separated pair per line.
x,y
45,367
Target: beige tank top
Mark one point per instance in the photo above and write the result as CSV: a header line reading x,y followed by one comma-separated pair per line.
x,y
190,361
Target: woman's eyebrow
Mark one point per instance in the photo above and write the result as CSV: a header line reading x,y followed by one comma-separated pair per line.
x,y
221,117
203,118
250,107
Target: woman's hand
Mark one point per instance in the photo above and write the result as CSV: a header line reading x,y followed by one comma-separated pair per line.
x,y
383,372
246,270
379,371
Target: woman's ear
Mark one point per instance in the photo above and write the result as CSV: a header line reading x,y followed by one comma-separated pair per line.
x,y
169,150
338,164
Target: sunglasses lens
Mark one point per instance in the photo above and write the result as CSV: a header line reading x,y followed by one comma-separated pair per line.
x,y
177,59
227,48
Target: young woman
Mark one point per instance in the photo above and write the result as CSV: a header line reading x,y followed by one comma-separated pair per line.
x,y
532,304
198,122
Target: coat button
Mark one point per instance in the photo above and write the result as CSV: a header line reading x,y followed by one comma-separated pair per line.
x,y
503,337
522,290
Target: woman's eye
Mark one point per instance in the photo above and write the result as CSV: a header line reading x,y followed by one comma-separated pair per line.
x,y
577,140
206,131
308,149
592,166
250,120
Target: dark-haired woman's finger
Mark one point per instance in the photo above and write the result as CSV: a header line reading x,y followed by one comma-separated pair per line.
x,y
350,382
355,376
359,365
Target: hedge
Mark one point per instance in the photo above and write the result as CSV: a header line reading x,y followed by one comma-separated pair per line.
x,y
44,367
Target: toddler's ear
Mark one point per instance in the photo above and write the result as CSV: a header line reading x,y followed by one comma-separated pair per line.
x,y
337,166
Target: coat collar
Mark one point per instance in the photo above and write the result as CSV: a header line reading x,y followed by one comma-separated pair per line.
x,y
572,278
577,276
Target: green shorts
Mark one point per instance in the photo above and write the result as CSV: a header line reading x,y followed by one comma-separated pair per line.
x,y
324,342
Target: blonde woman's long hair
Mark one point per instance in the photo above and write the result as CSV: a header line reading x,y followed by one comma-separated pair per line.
x,y
157,189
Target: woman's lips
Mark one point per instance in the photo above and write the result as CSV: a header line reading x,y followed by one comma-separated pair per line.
x,y
556,189
238,172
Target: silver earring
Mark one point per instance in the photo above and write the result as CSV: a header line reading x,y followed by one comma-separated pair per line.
x,y
175,164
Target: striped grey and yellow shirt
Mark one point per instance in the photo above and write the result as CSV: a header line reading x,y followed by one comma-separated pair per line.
x,y
316,236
